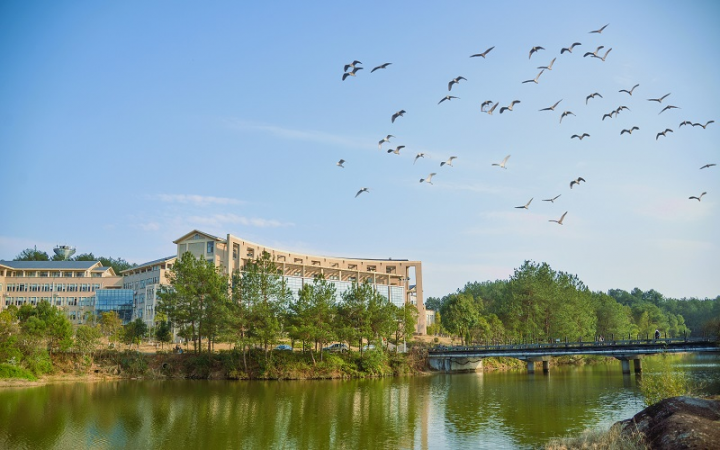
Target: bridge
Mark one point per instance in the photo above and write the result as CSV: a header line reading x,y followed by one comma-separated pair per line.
x,y
469,358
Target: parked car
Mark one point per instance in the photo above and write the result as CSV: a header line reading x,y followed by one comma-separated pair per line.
x,y
336,348
368,347
284,347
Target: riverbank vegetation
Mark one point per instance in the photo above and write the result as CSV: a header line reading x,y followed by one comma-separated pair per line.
x,y
539,304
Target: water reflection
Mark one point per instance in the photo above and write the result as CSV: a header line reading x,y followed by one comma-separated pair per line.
x,y
483,410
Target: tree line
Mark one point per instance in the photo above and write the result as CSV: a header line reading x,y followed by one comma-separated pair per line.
x,y
33,254
540,304
255,308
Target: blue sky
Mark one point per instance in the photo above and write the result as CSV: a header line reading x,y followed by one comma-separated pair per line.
x,y
125,125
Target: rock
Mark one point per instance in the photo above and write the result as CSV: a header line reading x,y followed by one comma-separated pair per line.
x,y
677,423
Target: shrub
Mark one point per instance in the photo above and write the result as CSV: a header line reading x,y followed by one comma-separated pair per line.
x,y
666,384
13,371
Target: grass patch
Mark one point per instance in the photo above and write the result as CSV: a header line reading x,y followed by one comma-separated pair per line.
x,y
612,439
666,384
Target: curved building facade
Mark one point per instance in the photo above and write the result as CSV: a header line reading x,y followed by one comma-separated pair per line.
x,y
398,280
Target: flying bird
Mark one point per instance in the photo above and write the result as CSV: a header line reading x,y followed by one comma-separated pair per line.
x,y
534,49
620,108
604,56
565,113
629,131
526,205
659,100
383,140
697,198
397,150
703,126
593,95
428,178
551,108
419,155
483,54
448,162
552,200
381,66
600,30
685,122
502,163
536,78
706,166
361,191
594,53
668,107
352,64
630,91
549,66
447,97
490,111
579,179
455,81
509,108
569,49
397,114
351,74
609,115
663,133
584,135
340,163
485,104
559,222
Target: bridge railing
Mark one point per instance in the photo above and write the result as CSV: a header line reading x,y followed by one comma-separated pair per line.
x,y
557,344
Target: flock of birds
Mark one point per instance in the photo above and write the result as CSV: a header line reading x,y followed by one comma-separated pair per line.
x,y
490,106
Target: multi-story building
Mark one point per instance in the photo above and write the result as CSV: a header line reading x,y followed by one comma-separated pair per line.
x,y
74,286
391,278
145,281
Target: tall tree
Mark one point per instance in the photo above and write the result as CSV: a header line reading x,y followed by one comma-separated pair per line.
x,y
31,254
310,318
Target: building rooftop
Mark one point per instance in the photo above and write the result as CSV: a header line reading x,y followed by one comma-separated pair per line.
x,y
150,263
49,265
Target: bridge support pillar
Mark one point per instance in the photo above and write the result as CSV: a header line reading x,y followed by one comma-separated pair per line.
x,y
530,362
638,365
625,366
625,363
546,366
531,367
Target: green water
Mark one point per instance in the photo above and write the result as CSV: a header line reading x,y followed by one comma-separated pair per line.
x,y
483,410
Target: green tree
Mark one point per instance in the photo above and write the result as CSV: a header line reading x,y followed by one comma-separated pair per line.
x,y
45,323
310,318
86,340
460,314
134,332
407,318
354,313
163,332
31,254
110,325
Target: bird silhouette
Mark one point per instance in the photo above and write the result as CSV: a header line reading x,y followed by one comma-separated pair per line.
x,y
484,105
559,222
397,114
509,108
448,162
361,191
551,108
447,97
600,30
549,66
564,114
663,133
593,95
703,126
584,135
569,49
428,178
383,140
397,150
604,56
629,131
381,66
490,111
535,49
483,54
609,115
630,91
697,198
455,81
351,74
419,155
594,53
685,122
659,100
352,64
502,163
668,107
526,205
552,200
576,181
340,163
536,78
707,166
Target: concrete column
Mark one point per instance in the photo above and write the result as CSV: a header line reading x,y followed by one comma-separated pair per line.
x,y
531,367
638,365
625,366
546,366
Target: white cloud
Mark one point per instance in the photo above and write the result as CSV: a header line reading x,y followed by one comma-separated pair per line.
x,y
197,200
222,219
299,135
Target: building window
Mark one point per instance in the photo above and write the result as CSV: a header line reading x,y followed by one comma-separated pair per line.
x,y
210,247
